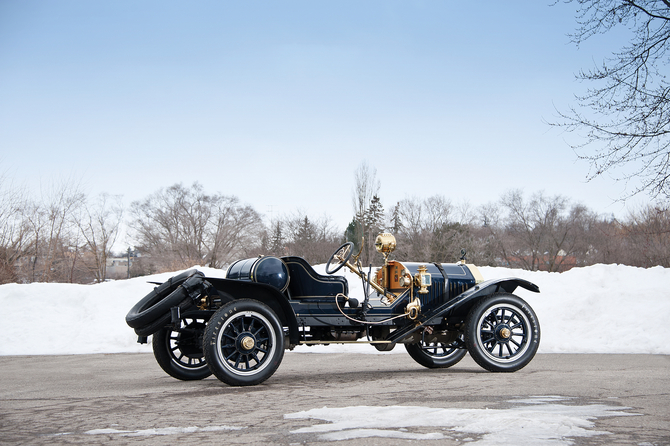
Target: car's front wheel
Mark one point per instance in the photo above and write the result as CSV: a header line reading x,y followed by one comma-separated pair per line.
x,y
244,343
502,333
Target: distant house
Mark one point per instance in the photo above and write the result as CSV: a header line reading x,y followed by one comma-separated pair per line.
x,y
118,267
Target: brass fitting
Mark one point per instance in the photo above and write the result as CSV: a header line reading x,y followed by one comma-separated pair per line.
x,y
413,309
385,243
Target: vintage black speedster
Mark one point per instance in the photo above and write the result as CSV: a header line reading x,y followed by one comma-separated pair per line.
x,y
238,328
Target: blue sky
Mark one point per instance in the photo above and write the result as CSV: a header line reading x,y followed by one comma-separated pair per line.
x,y
278,102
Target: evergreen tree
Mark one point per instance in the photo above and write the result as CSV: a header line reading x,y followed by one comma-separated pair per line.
x,y
375,217
353,233
306,232
277,239
396,219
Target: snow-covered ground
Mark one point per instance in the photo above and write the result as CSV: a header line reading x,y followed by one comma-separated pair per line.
x,y
597,309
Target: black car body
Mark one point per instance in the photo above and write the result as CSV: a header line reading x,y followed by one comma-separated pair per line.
x,y
239,327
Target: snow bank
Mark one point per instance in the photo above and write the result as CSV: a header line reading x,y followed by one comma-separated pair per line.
x,y
60,318
597,309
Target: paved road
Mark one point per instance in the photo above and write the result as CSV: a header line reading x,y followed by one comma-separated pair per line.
x,y
127,399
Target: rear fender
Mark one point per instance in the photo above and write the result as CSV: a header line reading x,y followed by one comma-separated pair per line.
x,y
237,289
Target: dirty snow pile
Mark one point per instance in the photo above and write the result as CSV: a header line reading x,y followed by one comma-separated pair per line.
x,y
596,309
531,421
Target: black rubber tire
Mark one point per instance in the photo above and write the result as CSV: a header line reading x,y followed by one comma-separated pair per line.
x,y
164,320
179,353
237,323
502,333
429,355
158,302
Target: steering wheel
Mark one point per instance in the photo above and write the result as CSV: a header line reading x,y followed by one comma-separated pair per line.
x,y
339,258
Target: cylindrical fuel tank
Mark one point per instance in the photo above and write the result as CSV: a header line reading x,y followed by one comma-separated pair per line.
x,y
268,270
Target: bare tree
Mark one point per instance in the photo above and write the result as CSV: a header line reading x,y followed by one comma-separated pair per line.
x,y
625,113
169,225
99,225
428,229
543,233
13,230
53,232
181,227
365,189
445,239
647,236
606,242
411,237
236,231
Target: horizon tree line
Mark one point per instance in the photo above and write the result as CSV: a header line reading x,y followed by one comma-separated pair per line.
x,y
66,236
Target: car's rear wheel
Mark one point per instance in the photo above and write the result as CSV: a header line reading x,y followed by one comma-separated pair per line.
x,y
502,333
435,354
244,343
179,351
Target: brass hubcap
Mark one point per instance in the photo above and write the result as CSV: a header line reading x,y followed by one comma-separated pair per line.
x,y
248,343
505,333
